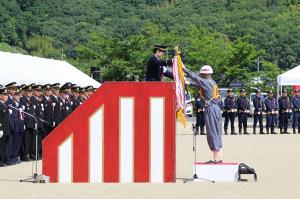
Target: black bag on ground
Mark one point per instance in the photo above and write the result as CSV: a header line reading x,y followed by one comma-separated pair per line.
x,y
246,170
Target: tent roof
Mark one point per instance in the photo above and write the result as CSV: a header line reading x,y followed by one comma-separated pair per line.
x,y
289,78
26,69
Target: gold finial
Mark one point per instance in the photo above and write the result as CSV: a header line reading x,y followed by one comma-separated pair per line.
x,y
177,52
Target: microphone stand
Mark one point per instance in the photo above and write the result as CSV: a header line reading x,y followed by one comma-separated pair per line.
x,y
195,176
35,176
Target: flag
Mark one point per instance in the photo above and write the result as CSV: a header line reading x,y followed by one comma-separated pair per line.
x,y
180,91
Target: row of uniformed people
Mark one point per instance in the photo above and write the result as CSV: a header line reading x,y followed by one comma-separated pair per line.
x,y
274,109
28,110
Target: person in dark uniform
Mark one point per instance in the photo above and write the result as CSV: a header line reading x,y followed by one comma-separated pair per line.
x,y
200,122
38,106
4,125
271,111
284,111
82,96
259,108
17,129
29,122
11,88
296,111
89,91
156,66
55,104
48,109
230,108
74,97
64,103
243,107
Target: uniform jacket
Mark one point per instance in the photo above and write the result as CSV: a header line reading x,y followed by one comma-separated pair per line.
x,y
27,106
4,119
154,70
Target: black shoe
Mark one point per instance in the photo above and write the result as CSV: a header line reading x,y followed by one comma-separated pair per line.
x,y
25,159
210,162
219,162
262,133
286,132
233,133
273,132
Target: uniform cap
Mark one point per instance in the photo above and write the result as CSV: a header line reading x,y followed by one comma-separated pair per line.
x,y
28,88
160,47
11,85
89,88
242,90
37,87
229,90
67,85
3,91
270,91
46,86
257,91
55,85
75,88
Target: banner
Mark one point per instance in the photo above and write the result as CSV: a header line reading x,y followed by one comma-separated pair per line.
x,y
180,91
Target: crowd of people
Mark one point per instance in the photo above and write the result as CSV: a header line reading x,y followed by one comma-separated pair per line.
x,y
30,110
274,111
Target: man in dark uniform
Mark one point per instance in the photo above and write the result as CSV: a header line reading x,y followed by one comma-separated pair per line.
x,y
284,111
200,108
271,111
64,103
89,91
48,109
259,108
36,100
17,129
296,111
29,122
55,104
11,88
4,125
82,96
156,67
74,97
230,109
243,107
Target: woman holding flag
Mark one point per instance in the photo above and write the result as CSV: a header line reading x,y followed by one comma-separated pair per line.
x,y
209,93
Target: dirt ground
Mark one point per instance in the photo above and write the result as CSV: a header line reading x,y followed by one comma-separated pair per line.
x,y
275,158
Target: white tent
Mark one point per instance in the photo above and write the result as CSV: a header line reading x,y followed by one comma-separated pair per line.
x,y
25,69
289,78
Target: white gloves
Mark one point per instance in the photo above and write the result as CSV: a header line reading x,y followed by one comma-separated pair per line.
x,y
1,134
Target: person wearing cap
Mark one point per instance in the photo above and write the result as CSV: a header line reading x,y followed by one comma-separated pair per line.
x,y
64,103
17,129
296,111
209,92
284,112
243,106
48,109
4,125
11,88
55,104
230,109
82,95
200,123
29,121
38,106
259,108
74,97
89,91
156,66
272,111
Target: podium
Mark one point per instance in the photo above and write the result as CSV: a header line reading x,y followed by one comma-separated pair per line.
x,y
125,132
222,172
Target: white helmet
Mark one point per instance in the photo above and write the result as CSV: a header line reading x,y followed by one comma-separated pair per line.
x,y
206,69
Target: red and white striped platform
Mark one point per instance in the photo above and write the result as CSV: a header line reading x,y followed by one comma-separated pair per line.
x,y
221,172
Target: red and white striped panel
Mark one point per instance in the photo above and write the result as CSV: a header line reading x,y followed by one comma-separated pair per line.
x,y
125,132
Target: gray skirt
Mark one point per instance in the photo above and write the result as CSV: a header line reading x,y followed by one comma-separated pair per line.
x,y
213,123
